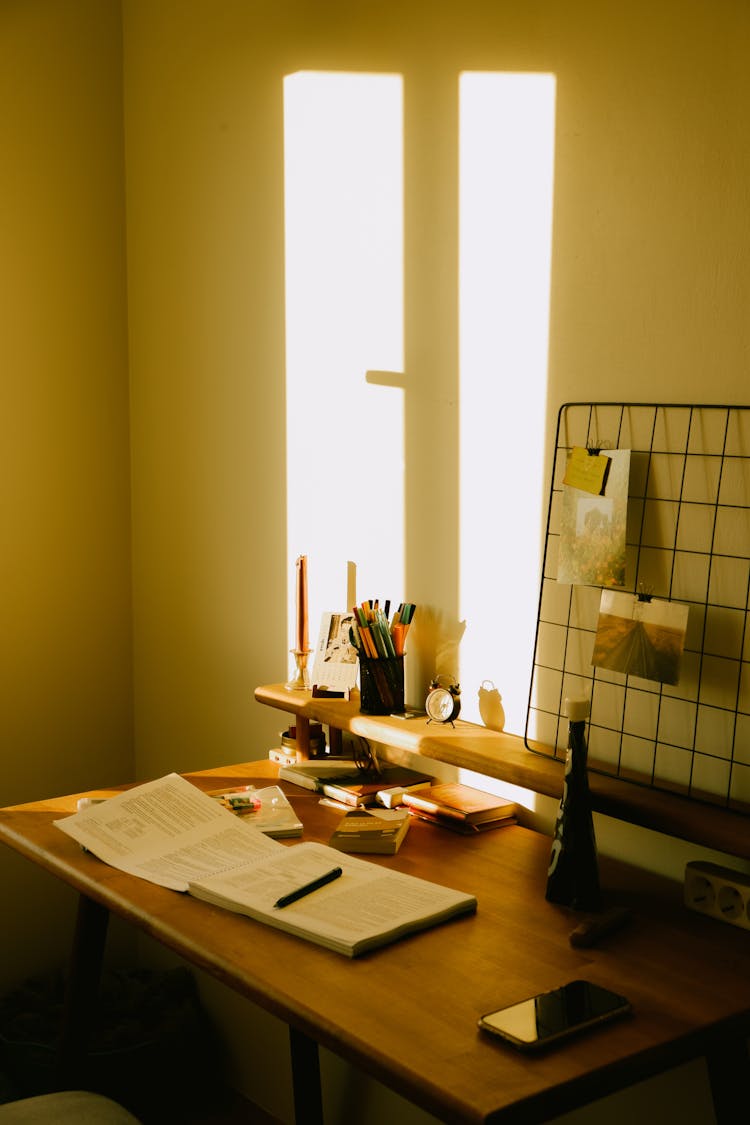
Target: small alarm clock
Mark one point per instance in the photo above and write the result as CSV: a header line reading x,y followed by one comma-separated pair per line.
x,y
442,703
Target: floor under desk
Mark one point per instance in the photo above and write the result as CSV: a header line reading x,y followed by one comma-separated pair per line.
x,y
406,1014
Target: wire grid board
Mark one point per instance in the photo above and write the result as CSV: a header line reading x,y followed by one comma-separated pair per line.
x,y
687,540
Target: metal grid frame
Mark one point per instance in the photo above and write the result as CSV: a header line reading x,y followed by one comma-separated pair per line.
x,y
687,540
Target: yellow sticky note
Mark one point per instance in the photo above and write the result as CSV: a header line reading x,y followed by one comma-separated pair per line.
x,y
587,471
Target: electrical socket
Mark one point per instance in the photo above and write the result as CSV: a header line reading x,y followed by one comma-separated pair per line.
x,y
719,892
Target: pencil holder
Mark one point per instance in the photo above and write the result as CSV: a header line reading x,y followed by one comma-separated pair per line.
x,y
381,685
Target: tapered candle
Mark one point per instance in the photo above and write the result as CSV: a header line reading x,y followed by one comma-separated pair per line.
x,y
301,636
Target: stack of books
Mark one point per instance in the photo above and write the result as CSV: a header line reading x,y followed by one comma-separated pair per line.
x,y
460,807
344,782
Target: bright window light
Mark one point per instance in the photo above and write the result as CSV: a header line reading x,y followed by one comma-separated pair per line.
x,y
344,316
344,307
506,156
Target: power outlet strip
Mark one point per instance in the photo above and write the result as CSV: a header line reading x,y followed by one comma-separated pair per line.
x,y
719,892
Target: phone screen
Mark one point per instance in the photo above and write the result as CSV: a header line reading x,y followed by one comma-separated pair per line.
x,y
553,1015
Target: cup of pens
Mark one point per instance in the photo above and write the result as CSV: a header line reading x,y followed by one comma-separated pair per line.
x,y
381,684
380,647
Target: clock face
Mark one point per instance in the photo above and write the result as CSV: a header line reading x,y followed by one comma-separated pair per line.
x,y
441,705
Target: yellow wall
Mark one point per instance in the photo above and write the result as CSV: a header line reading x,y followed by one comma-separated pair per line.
x,y
205,261
65,652
650,287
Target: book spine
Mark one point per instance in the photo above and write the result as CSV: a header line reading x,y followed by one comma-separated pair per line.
x,y
341,795
298,779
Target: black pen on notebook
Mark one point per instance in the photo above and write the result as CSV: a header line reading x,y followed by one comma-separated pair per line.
x,y
308,888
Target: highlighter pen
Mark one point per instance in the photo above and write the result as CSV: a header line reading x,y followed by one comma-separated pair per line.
x,y
308,888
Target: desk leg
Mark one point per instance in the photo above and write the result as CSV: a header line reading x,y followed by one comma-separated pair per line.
x,y
302,726
308,1098
82,990
729,1075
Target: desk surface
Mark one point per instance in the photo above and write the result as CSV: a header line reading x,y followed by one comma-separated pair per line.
x,y
407,1013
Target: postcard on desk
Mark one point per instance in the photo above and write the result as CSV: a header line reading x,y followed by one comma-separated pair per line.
x,y
170,833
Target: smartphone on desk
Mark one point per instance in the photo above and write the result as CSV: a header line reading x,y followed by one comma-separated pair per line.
x,y
553,1016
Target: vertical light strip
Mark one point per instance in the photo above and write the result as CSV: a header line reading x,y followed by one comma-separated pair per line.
x,y
506,184
344,316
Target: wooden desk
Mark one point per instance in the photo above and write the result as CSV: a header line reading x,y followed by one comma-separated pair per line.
x,y
407,1013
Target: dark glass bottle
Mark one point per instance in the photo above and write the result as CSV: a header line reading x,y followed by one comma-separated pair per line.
x,y
573,874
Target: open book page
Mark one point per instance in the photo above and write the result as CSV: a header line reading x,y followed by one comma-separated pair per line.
x,y
169,832
366,907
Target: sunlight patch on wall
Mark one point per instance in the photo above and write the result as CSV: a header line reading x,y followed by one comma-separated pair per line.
x,y
506,173
344,315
